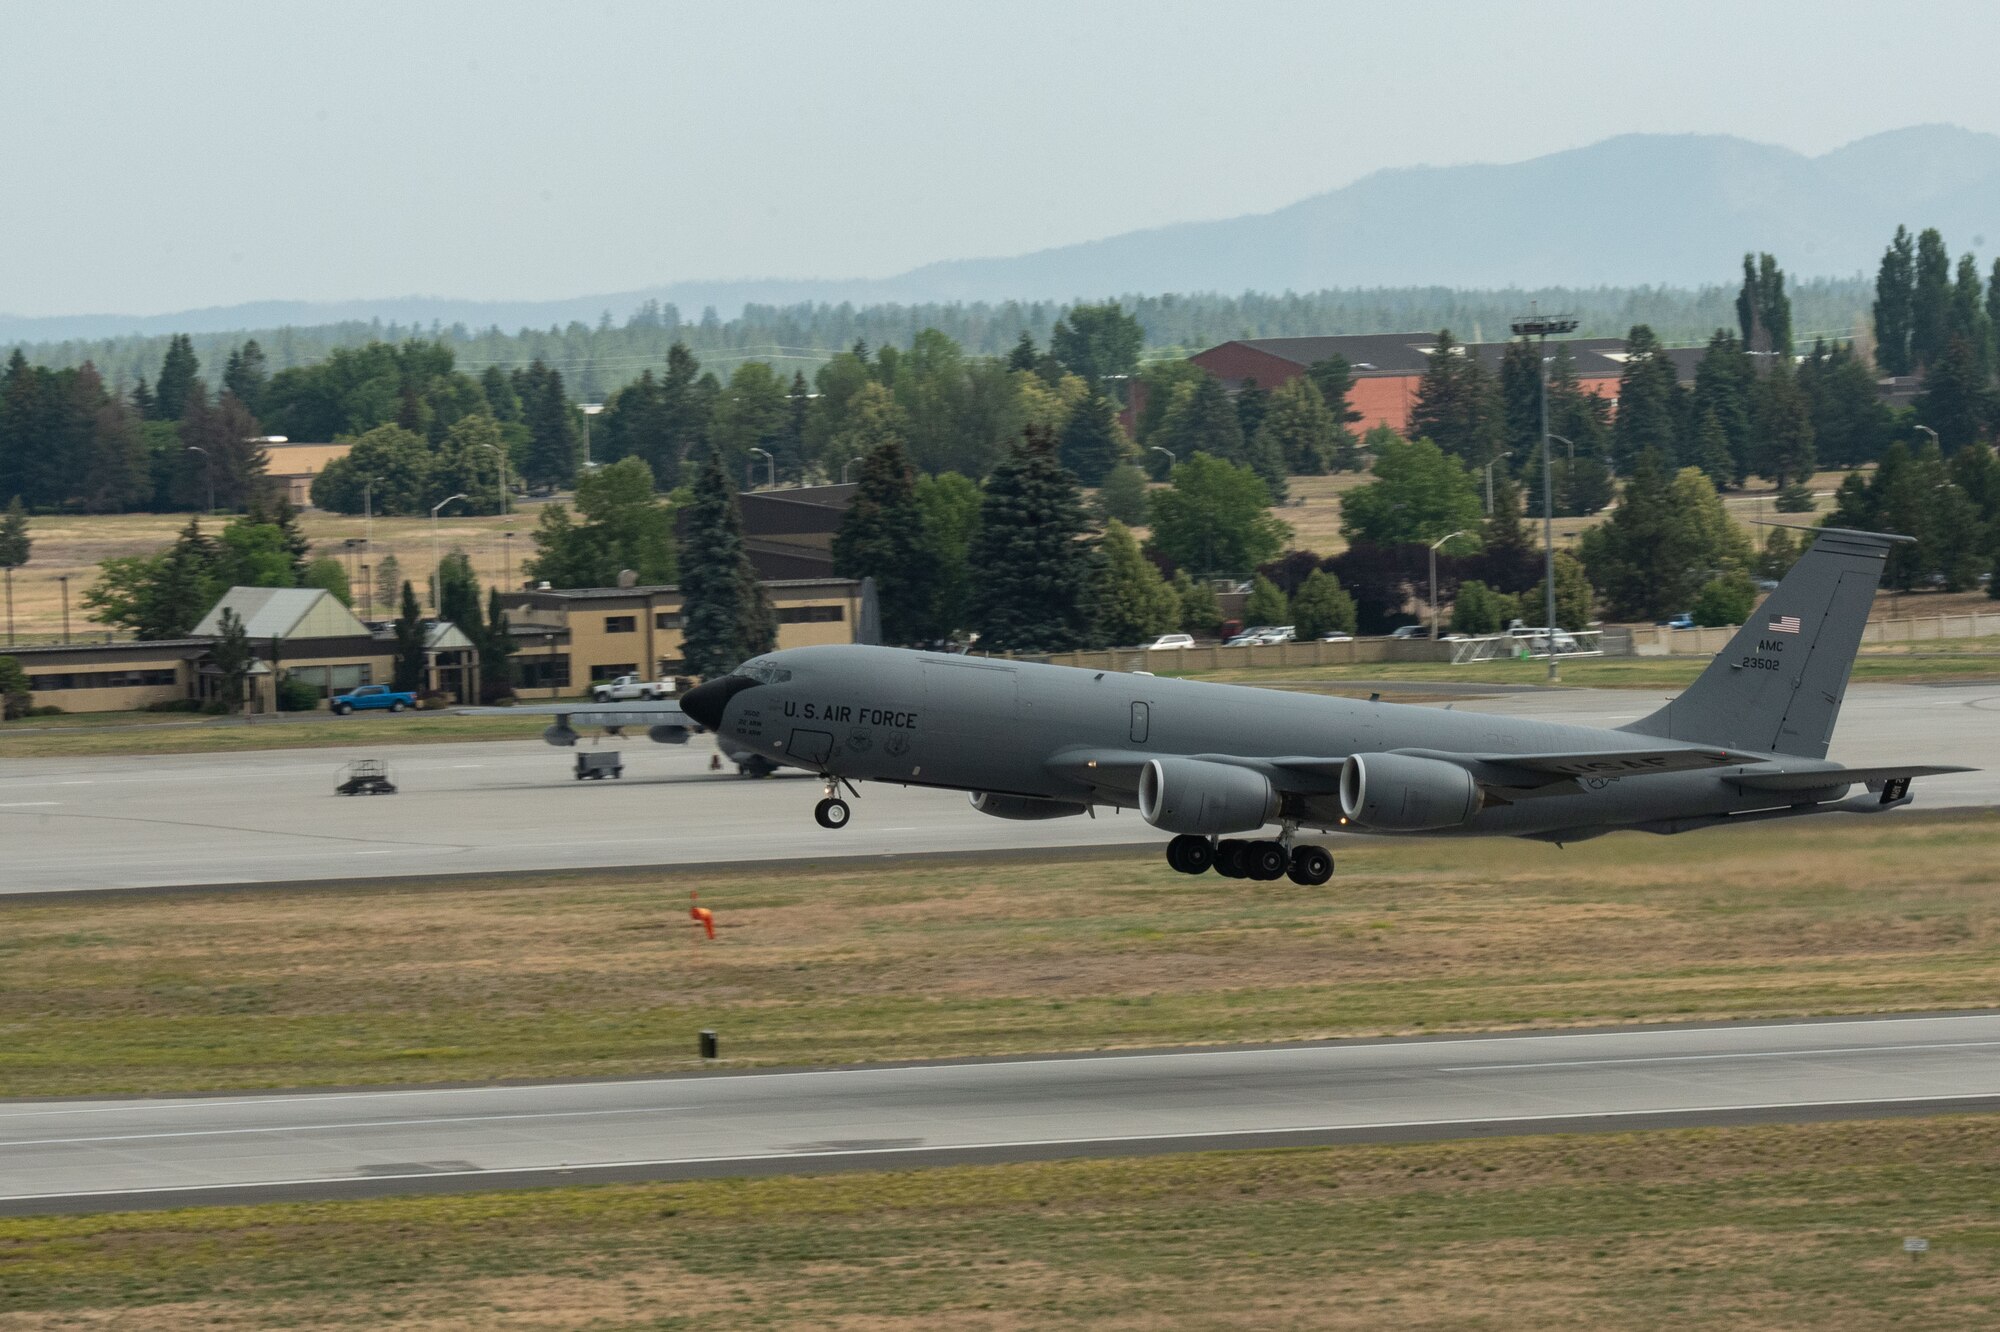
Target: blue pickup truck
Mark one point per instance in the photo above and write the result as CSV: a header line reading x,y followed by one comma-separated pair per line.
x,y
371,696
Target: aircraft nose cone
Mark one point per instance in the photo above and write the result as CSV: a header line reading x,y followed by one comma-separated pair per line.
x,y
707,701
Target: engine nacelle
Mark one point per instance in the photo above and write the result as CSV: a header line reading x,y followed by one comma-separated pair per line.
x,y
1022,807
668,735
1402,793
1183,795
559,734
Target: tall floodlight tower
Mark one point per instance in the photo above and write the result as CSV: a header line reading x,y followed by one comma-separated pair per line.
x,y
1540,326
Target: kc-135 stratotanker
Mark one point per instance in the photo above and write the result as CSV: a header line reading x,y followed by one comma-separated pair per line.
x,y
1216,764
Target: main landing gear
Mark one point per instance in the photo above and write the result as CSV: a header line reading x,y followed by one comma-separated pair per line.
x,y
832,811
1306,865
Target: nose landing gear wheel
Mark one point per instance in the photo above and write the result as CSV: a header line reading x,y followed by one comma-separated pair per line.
x,y
1311,866
832,812
1190,854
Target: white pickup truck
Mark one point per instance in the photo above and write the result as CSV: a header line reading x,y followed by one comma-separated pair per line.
x,y
626,688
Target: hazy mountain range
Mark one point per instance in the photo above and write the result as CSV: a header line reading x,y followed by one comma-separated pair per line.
x,y
1639,209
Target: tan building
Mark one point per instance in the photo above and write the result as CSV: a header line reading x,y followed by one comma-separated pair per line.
x,y
294,466
570,638
110,677
303,633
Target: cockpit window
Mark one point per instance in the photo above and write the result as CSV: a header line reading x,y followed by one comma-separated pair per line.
x,y
763,672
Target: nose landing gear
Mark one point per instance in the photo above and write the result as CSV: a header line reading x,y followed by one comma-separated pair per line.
x,y
832,811
1263,861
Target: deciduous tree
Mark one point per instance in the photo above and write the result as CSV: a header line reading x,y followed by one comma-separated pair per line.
x,y
1215,518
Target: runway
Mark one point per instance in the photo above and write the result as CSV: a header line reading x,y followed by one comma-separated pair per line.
x,y
104,1155
271,817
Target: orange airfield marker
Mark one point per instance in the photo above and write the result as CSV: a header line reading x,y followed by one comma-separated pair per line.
x,y
702,915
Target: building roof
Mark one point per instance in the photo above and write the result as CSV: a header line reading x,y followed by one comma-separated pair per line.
x,y
284,612
441,634
656,589
1372,355
167,647
302,459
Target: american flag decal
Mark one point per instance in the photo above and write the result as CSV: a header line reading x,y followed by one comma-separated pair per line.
x,y
1784,624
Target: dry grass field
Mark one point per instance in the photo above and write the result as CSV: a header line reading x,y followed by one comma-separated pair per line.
x,y
1782,1228
73,545
601,972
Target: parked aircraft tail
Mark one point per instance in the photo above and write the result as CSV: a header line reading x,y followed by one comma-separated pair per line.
x,y
1777,686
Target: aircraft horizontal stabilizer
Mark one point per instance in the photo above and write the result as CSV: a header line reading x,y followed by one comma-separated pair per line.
x,y
595,714
1818,779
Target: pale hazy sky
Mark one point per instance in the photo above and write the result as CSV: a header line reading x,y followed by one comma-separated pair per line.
x,y
156,157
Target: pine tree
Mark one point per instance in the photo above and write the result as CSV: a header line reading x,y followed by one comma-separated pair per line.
x,y
496,651
1457,405
1724,382
1895,299
1201,609
231,656
1024,355
1299,429
1253,402
1763,311
1648,401
410,644
1133,602
1092,442
1968,314
1521,400
1930,304
1321,607
554,447
142,400
1575,598
1334,379
881,537
717,622
1711,452
1954,398
176,378
15,546
1034,590
1784,427
245,375
1266,604
1203,420
1508,558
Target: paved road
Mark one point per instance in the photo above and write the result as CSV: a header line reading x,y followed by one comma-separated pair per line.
x,y
93,1155
93,823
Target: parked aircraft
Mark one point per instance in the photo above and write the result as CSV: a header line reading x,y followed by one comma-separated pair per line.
x,y
1213,763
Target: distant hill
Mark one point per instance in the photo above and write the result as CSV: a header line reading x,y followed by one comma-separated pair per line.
x,y
1640,209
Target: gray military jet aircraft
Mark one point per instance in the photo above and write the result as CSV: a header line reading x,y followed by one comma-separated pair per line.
x,y
1212,762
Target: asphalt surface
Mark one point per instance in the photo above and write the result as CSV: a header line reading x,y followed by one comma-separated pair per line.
x,y
101,1155
272,817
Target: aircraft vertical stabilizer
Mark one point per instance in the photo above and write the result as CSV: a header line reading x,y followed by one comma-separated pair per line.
x,y
1777,687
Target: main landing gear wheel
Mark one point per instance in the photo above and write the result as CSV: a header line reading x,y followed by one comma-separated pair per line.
x,y
1190,854
1230,862
832,812
1265,861
1311,866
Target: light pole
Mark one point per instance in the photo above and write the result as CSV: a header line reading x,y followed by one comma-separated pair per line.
x,y
844,466
1540,326
770,468
506,500
208,466
1572,445
368,513
1489,480
1434,578
1928,431
507,560
437,555
64,580
1173,459
589,409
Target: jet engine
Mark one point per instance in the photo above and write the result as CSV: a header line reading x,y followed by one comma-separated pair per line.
x,y
668,735
1402,793
1022,807
1183,795
560,734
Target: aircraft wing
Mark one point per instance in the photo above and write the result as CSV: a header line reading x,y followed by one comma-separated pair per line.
x,y
1311,774
1815,779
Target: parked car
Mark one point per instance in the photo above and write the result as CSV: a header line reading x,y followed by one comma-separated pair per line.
x,y
1408,631
376,697
1167,642
1685,620
626,688
1252,634
1336,638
